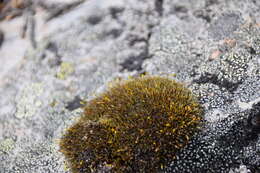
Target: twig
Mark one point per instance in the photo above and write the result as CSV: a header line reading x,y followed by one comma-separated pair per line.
x,y
1,38
63,9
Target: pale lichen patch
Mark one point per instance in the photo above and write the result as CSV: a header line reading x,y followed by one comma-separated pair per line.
x,y
6,145
28,101
66,69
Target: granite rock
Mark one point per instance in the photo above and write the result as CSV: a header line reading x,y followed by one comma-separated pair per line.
x,y
213,47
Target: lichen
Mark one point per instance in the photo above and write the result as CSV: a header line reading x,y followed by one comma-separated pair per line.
x,y
66,69
138,125
6,145
28,101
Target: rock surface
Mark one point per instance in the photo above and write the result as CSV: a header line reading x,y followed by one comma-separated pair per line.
x,y
213,47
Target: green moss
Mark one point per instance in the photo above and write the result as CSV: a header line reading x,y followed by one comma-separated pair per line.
x,y
138,125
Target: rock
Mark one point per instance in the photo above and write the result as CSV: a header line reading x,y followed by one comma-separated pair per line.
x,y
81,51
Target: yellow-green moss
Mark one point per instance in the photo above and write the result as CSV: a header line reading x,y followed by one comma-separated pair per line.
x,y
138,125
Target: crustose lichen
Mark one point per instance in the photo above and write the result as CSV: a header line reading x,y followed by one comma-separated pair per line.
x,y
137,125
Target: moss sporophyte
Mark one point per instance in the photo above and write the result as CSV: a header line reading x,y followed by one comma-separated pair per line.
x,y
137,125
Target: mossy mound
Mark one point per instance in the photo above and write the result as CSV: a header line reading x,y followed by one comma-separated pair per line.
x,y
136,126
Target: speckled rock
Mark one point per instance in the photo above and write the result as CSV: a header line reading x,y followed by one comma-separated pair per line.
x,y
213,47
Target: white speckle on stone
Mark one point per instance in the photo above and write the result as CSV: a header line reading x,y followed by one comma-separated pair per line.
x,y
241,169
111,3
215,115
244,105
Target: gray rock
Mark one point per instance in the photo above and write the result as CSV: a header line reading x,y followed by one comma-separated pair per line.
x,y
210,46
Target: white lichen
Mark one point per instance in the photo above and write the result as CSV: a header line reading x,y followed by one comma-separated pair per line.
x,y
6,145
28,101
